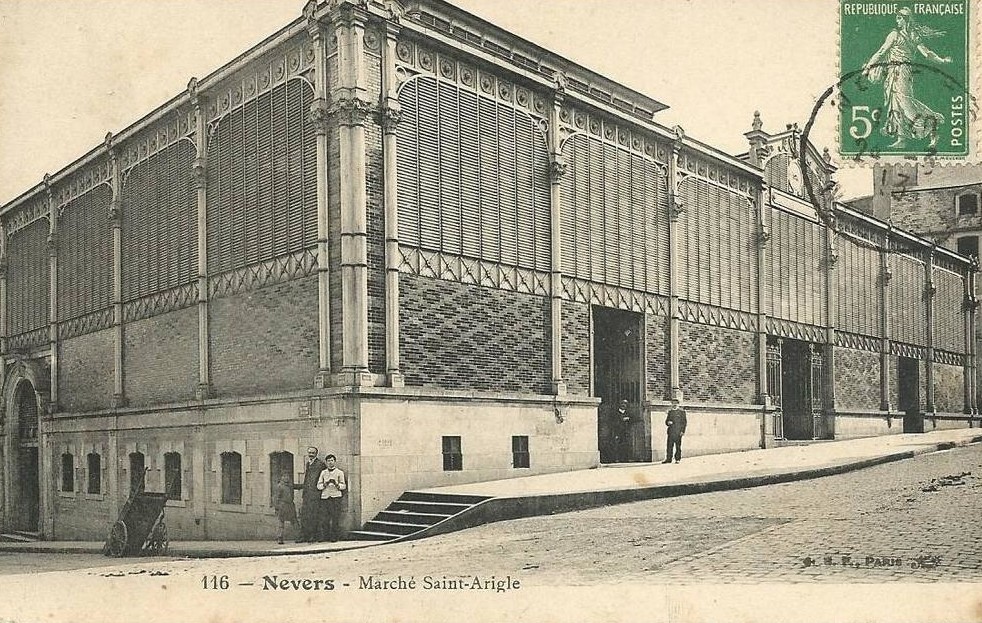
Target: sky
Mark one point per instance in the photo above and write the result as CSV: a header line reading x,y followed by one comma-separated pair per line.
x,y
73,70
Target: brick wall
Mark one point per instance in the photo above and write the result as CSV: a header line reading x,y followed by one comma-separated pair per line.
x,y
161,358
458,336
857,379
656,351
949,388
576,347
376,248
334,247
85,373
933,211
717,364
265,341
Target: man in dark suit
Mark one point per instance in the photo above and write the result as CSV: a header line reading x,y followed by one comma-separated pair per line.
x,y
676,428
310,521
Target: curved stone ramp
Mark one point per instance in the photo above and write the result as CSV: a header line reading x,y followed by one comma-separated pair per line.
x,y
473,510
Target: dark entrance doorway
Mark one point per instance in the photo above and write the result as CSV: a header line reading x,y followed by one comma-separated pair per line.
x,y
27,504
909,395
618,375
802,390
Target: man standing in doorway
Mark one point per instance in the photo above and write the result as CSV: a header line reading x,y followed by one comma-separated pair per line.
x,y
622,430
676,428
332,485
310,510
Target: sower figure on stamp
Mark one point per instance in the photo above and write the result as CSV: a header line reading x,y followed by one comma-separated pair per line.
x,y
675,422
332,485
907,116
310,509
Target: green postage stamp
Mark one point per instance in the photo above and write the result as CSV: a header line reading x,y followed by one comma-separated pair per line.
x,y
904,85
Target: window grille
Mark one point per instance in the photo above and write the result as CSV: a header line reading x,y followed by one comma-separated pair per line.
x,y
94,464
520,451
453,458
173,476
231,478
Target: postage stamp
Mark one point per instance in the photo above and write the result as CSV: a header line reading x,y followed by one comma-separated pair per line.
x,y
905,71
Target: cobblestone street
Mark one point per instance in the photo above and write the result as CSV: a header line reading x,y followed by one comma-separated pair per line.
x,y
914,521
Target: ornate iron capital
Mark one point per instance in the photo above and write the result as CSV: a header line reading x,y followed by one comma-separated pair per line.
x,y
320,116
352,111
391,115
557,169
199,173
675,207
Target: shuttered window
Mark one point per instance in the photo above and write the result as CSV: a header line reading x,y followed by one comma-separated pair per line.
x,y
473,176
716,249
908,305
27,278
795,269
858,277
614,217
159,236
85,261
262,180
949,324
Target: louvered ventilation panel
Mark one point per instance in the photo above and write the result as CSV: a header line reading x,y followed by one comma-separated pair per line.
x,y
27,278
262,186
159,251
473,177
85,262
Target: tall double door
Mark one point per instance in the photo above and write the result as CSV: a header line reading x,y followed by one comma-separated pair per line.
x,y
618,374
797,383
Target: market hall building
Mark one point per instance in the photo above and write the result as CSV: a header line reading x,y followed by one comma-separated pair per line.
x,y
405,236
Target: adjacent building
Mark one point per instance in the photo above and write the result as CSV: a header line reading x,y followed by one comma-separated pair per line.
x,y
408,237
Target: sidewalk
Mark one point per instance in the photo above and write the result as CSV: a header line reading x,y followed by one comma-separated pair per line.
x,y
552,493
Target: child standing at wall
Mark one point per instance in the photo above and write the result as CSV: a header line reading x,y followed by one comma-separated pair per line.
x,y
282,502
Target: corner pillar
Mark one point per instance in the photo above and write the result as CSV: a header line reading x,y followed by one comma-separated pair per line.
x,y
557,172
351,109
885,276
391,115
116,220
929,296
676,209
200,179
320,118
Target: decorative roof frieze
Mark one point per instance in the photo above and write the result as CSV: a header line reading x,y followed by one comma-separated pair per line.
x,y
578,121
293,60
177,126
413,59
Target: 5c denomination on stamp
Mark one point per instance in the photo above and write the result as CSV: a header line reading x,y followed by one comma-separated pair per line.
x,y
905,70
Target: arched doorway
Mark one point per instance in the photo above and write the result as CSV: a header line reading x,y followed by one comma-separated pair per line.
x,y
26,469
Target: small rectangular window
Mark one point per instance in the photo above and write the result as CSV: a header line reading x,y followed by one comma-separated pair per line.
x,y
67,472
968,246
968,204
520,451
172,475
231,478
453,459
94,463
137,465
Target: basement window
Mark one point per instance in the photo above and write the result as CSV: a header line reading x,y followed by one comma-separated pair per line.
x,y
67,472
94,463
453,459
520,451
231,478
172,475
137,465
